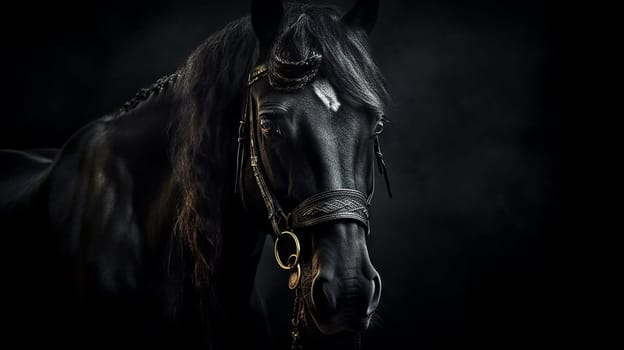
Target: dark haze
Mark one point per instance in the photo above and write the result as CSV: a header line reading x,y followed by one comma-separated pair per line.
x,y
472,147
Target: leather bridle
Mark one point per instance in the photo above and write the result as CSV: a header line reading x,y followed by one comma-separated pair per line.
x,y
336,204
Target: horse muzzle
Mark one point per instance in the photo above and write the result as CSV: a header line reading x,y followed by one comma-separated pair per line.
x,y
346,288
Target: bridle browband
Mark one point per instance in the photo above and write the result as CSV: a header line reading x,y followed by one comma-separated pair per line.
x,y
336,204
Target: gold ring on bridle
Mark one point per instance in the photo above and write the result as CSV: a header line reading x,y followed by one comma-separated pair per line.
x,y
293,259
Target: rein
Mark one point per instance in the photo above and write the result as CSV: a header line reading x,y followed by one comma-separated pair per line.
x,y
331,205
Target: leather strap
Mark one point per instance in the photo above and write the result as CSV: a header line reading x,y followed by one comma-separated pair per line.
x,y
277,217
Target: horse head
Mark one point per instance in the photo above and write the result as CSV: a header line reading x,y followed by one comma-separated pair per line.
x,y
313,115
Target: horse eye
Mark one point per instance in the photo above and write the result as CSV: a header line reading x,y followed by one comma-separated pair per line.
x,y
266,125
379,127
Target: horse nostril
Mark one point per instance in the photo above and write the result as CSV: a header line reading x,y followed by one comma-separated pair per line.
x,y
372,306
322,297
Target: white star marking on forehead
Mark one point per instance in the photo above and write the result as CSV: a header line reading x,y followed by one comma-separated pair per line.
x,y
325,92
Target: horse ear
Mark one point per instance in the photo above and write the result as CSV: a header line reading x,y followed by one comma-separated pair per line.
x,y
363,15
266,16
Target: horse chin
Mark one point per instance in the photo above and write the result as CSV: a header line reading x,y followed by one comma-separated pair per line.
x,y
335,324
337,327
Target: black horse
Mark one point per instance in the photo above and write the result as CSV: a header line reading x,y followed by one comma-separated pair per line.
x,y
145,228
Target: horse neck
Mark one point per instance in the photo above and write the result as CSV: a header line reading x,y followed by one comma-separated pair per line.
x,y
240,250
242,243
142,129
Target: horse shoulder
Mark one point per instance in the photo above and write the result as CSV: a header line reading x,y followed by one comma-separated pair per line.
x,y
91,210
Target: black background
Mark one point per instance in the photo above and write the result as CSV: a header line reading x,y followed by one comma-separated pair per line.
x,y
473,147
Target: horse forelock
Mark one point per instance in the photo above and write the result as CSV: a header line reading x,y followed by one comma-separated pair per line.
x,y
315,41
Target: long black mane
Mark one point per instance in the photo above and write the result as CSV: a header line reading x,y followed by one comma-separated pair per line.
x,y
209,90
210,94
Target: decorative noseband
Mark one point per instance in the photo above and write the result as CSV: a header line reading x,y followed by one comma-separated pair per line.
x,y
329,206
